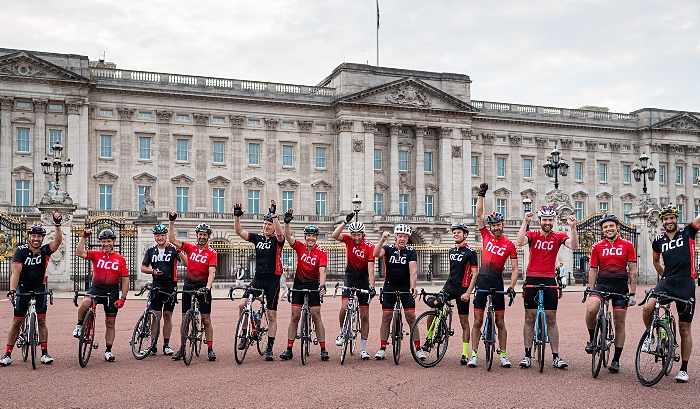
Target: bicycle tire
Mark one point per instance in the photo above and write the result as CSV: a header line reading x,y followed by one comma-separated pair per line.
x,y
199,337
189,333
657,359
312,328
242,335
355,326
347,328
490,340
86,339
599,340
303,335
262,338
672,325
608,336
33,337
397,336
436,343
24,336
540,338
143,335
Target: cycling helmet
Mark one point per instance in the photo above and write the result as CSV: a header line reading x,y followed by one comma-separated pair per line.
x,y
311,229
356,227
107,234
37,229
160,229
460,226
668,211
546,211
203,227
268,217
494,217
609,218
403,228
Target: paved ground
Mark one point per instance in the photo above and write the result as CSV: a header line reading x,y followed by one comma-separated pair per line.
x,y
158,382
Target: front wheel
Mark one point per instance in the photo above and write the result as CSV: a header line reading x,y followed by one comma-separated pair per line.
x,y
189,333
355,331
304,335
540,340
87,339
199,331
435,341
242,337
598,355
347,329
144,339
654,353
263,326
23,339
33,337
489,340
397,336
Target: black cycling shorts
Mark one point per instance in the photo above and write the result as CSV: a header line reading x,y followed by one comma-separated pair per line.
x,y
161,302
454,292
204,300
357,282
271,284
22,301
618,285
113,293
551,297
298,297
389,298
480,299
679,287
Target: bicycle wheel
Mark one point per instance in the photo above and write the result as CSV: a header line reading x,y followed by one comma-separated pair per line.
x,y
607,339
540,337
199,334
355,326
263,326
304,335
242,336
436,338
490,339
189,333
87,339
599,340
145,335
347,329
33,337
23,339
397,336
651,365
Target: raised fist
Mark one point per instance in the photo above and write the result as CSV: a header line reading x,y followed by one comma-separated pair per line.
x,y
87,233
172,216
288,216
273,207
349,217
237,210
483,188
57,218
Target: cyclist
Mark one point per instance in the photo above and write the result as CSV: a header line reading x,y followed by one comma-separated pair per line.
x,y
401,274
29,264
200,273
544,247
677,247
610,259
108,269
161,262
496,250
268,266
359,273
312,261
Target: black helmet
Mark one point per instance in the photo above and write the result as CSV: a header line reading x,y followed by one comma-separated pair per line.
x,y
203,227
107,234
160,229
37,229
460,226
609,218
267,217
311,229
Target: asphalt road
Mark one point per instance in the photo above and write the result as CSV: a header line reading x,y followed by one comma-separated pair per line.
x,y
159,382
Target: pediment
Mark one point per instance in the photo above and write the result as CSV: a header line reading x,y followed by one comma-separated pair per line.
x,y
628,197
604,196
379,186
145,177
321,184
288,183
431,187
683,122
529,193
106,176
254,182
182,178
681,198
580,195
22,120
22,172
409,93
501,192
25,65
219,180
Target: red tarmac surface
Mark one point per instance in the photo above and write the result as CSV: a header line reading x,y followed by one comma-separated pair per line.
x,y
159,382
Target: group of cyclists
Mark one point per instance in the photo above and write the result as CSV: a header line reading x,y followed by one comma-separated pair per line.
x,y
613,268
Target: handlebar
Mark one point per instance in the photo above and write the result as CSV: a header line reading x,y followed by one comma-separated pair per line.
x,y
247,288
351,289
666,299
605,294
31,294
92,296
301,290
493,291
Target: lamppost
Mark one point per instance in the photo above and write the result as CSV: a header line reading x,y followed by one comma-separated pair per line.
x,y
356,203
54,166
555,167
527,204
644,172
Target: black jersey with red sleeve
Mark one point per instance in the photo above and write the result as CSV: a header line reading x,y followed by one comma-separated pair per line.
x,y
396,264
462,260
543,252
678,253
107,269
495,253
358,256
309,263
268,254
164,260
611,258
33,264
198,262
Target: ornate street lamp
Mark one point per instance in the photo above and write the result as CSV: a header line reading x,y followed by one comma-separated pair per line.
x,y
527,204
556,166
56,166
356,203
646,171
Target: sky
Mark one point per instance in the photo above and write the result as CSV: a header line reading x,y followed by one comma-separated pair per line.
x,y
621,54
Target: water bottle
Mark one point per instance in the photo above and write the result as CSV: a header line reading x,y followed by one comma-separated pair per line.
x,y
662,332
256,318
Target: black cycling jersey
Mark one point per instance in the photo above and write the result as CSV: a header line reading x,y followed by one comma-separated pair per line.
x,y
164,260
678,253
268,254
33,265
462,259
396,264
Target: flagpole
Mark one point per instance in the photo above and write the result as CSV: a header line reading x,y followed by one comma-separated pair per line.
x,y
377,33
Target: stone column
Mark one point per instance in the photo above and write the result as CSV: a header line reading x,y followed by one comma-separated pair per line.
x,y
58,272
347,187
420,170
592,177
466,192
77,148
201,146
394,169
445,171
272,163
128,152
6,141
39,145
368,192
165,191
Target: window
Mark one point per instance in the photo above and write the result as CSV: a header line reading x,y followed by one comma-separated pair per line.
x,y
603,207
578,144
527,141
106,112
403,131
22,139
626,147
552,143
428,162
54,136
626,171
105,197
429,206
253,122
218,120
217,201
602,146
321,203
144,115
105,146
527,168
501,167
578,209
145,148
287,200
679,175
403,161
182,117
254,154
680,213
182,235
603,172
182,149
474,207
500,139
662,174
142,194
321,237
696,212
55,107
287,124
287,155
254,201
696,173
182,196
501,207
578,171
218,152
626,210
320,158
475,166
378,201
320,127
22,193
403,205
377,159
475,137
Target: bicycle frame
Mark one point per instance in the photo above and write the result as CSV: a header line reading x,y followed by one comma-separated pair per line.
x,y
540,339
489,334
306,327
351,314
247,329
604,324
196,335
28,338
86,341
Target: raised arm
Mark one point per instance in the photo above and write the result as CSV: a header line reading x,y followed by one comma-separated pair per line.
x,y
237,213
521,240
58,236
378,248
572,243
338,232
288,217
80,249
479,216
171,231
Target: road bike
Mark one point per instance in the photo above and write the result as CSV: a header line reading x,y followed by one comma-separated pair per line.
x,y
351,322
489,332
541,338
604,333
396,332
192,326
439,324
144,339
656,351
306,324
249,331
28,338
86,339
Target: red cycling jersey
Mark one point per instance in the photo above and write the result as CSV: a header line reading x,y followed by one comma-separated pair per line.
x,y
495,253
358,256
199,262
611,258
543,252
309,263
107,269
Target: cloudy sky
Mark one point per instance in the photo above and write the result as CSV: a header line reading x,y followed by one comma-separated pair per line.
x,y
621,54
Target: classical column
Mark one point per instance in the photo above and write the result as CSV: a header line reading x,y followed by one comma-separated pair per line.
x,y
271,163
165,191
420,170
6,139
614,179
39,145
445,170
76,142
128,148
368,179
394,169
202,143
347,186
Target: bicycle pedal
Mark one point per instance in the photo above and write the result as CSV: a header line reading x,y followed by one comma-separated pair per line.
x,y
451,332
315,342
676,358
95,346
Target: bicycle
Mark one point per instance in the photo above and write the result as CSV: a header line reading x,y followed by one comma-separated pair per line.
x,y
351,322
306,328
249,331
604,333
439,324
86,339
541,337
660,340
147,328
28,337
192,327
489,333
396,332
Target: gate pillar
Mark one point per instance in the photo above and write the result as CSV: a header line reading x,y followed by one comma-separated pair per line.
x,y
58,272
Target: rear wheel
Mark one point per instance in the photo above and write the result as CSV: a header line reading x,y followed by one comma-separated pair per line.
x,y
598,354
263,326
355,326
23,339
87,339
189,333
33,337
304,336
347,329
540,338
144,339
242,336
651,365
436,338
489,340
199,334
397,336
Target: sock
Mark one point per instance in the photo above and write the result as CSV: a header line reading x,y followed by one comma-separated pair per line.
x,y
590,333
474,352
502,353
290,343
363,345
210,344
80,322
555,355
270,342
44,348
341,331
383,345
528,352
108,348
684,366
8,349
465,348
417,344
323,345
618,352
166,342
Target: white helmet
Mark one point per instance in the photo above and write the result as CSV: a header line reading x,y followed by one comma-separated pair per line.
x,y
546,211
403,228
356,227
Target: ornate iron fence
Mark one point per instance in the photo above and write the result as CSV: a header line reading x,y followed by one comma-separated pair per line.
x,y
13,232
